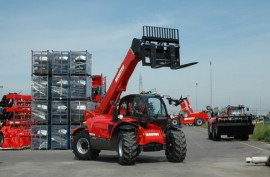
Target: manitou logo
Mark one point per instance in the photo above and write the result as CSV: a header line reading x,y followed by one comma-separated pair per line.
x,y
152,134
92,134
119,73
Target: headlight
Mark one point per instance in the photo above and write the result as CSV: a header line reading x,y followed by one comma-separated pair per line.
x,y
174,122
172,116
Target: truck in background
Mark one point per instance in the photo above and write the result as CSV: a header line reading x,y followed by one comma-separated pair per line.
x,y
235,122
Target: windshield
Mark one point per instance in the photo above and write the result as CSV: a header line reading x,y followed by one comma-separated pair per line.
x,y
237,110
156,107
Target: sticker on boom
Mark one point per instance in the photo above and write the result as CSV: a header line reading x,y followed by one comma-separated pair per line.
x,y
152,134
92,134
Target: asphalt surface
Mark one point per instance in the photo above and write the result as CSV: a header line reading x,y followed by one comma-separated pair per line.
x,y
205,158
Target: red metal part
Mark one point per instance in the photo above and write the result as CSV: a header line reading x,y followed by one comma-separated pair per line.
x,y
98,86
16,129
153,133
118,85
16,137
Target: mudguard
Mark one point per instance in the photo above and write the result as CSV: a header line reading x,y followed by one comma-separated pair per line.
x,y
174,127
77,129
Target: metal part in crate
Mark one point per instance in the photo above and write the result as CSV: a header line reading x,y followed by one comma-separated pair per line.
x,y
60,62
77,109
39,137
60,137
39,111
60,87
41,62
80,87
59,112
39,87
80,62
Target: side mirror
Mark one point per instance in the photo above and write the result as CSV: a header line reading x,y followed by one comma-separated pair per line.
x,y
115,111
172,116
247,109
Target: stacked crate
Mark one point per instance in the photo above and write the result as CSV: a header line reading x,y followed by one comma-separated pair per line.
x,y
61,95
40,115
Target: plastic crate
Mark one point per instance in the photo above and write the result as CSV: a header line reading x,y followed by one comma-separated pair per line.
x,y
41,62
81,63
39,137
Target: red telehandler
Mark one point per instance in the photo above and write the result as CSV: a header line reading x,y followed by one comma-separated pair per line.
x,y
137,122
189,116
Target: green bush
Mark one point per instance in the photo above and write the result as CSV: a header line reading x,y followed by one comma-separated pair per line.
x,y
205,125
261,132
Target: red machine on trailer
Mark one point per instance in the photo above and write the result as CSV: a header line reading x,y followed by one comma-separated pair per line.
x,y
98,88
15,121
137,122
188,116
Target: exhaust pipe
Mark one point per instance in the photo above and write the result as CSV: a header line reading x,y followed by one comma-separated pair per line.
x,y
258,160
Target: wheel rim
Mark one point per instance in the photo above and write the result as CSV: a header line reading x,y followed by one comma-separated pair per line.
x,y
83,145
199,122
120,149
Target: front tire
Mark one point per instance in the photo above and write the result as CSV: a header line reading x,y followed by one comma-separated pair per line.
x,y
199,122
176,146
82,147
245,137
127,148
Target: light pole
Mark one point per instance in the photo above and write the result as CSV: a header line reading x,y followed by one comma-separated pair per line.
x,y
196,97
211,84
260,105
1,88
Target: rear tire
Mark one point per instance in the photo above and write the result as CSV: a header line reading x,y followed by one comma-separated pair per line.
x,y
176,146
199,122
210,135
1,139
245,137
82,147
216,135
127,148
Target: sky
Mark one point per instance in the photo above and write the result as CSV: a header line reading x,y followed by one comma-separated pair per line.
x,y
233,35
